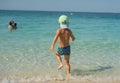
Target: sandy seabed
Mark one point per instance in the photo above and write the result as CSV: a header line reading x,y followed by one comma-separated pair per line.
x,y
72,79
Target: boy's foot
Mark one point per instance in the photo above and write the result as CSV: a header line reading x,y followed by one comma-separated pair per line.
x,y
68,75
60,67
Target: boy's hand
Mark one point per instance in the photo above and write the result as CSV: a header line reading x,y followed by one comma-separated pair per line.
x,y
51,48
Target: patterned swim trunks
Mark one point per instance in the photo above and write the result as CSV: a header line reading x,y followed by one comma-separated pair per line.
x,y
64,50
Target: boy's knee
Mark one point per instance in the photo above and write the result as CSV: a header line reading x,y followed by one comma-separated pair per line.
x,y
66,62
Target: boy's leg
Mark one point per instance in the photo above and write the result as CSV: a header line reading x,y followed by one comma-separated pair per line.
x,y
59,61
66,58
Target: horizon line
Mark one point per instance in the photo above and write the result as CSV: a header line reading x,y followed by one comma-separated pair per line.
x,y
59,11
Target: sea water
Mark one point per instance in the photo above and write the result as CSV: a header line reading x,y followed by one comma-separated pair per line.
x,y
24,52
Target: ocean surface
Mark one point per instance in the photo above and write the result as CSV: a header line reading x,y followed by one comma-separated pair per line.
x,y
25,55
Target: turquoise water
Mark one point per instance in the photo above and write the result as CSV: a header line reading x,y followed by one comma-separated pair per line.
x,y
25,51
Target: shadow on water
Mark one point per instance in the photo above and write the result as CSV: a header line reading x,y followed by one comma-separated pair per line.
x,y
91,71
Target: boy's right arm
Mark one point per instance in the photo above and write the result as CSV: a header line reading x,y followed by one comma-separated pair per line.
x,y
72,37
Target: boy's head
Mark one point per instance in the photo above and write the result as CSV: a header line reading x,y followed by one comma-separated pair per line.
x,y
63,21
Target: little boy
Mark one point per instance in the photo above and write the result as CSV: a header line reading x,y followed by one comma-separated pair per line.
x,y
63,35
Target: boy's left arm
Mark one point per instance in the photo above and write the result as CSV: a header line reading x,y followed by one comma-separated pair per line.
x,y
54,40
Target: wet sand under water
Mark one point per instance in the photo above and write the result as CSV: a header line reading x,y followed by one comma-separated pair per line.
x,y
75,79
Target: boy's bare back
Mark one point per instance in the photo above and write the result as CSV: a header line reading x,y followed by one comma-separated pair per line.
x,y
64,35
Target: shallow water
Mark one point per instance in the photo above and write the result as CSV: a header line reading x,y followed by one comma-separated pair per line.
x,y
25,52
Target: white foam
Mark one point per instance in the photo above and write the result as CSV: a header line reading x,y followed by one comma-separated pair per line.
x,y
5,80
96,79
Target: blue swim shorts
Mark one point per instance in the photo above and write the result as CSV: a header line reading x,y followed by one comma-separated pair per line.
x,y
64,50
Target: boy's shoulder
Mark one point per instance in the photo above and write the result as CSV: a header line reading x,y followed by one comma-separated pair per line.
x,y
58,29
61,29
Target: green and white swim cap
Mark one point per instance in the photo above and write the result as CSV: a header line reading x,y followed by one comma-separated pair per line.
x,y
63,19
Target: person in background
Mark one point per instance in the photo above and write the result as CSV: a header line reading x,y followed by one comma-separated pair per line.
x,y
12,25
15,26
